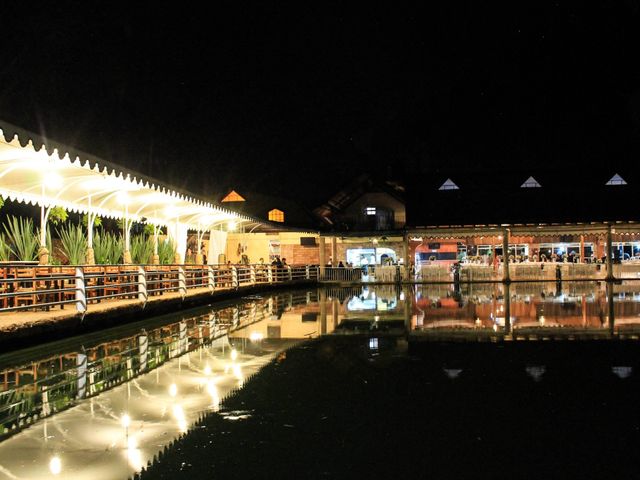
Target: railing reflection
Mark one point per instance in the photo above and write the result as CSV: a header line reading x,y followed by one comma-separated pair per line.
x,y
44,386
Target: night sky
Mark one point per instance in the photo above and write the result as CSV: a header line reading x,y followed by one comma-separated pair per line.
x,y
298,100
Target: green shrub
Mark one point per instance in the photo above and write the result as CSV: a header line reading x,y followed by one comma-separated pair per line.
x,y
97,221
58,215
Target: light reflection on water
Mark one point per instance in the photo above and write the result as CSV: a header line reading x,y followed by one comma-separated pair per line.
x,y
140,399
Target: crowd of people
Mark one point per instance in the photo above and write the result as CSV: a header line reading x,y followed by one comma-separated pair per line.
x,y
570,257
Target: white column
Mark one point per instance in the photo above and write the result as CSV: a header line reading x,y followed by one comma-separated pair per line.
x,y
234,277
81,296
142,284
210,279
182,281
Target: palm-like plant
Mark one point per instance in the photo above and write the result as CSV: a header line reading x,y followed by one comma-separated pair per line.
x,y
141,249
74,244
166,251
22,238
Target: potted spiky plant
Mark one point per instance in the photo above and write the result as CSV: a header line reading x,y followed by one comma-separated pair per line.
x,y
74,244
21,238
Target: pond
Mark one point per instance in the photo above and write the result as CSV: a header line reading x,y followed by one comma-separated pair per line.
x,y
483,381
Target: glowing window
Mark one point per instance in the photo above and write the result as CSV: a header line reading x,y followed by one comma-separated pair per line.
x,y
233,196
449,185
370,210
276,215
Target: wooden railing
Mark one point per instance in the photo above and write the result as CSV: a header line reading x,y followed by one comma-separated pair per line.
x,y
28,287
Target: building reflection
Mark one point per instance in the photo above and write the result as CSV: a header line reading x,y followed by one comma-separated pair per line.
x,y
494,308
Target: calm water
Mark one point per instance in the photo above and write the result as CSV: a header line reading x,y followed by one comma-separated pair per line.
x,y
530,380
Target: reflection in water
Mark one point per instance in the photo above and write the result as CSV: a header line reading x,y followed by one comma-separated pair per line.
x,y
527,309
133,390
452,372
622,372
536,371
518,310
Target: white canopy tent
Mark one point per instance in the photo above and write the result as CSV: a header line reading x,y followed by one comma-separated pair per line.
x,y
45,176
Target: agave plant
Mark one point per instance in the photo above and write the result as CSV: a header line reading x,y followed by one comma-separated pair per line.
x,y
5,250
74,244
166,251
107,248
22,238
141,249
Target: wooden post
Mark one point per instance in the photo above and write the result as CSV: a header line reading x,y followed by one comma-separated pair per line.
x,y
507,309
505,256
334,251
323,256
322,297
581,248
611,307
609,255
406,258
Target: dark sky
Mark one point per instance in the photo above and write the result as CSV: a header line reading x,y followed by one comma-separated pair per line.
x,y
299,99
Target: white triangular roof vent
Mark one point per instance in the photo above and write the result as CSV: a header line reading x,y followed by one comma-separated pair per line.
x,y
449,185
530,183
616,180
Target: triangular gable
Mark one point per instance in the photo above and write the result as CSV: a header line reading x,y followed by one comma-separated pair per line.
x,y
233,196
449,185
616,180
531,183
